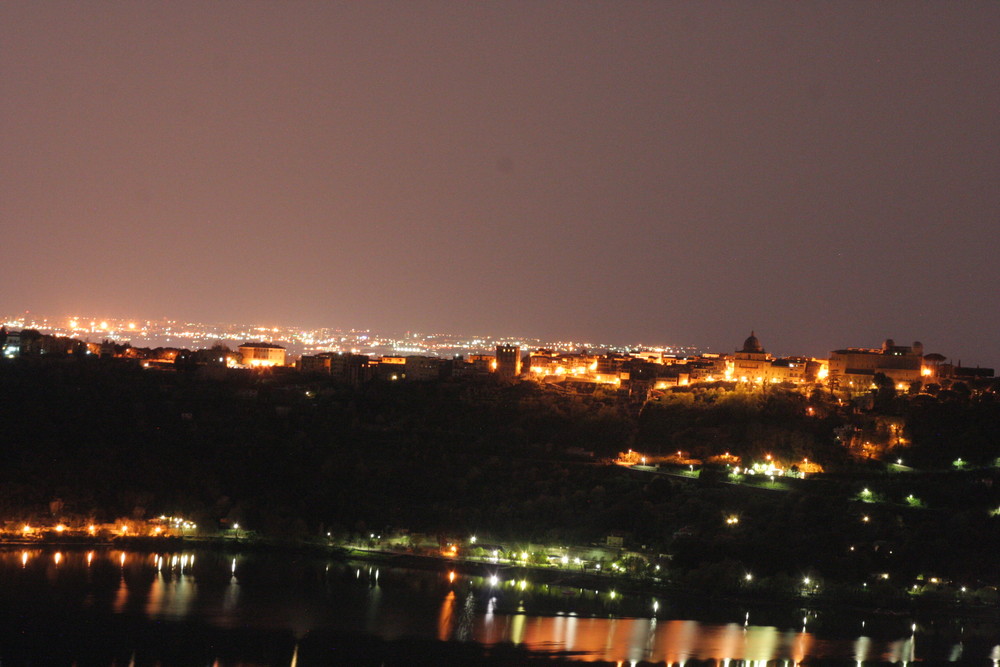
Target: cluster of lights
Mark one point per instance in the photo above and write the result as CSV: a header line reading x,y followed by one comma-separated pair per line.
x,y
162,526
309,340
180,523
574,366
496,555
60,528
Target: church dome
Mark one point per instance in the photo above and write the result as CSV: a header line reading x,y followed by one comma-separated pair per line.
x,y
751,344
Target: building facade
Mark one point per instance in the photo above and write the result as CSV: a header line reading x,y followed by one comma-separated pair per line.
x,y
855,367
508,361
262,355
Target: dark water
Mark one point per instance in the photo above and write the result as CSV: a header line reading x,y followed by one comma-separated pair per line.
x,y
205,607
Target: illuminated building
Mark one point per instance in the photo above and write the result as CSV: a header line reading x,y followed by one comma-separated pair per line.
x,y
545,363
856,367
710,367
816,370
392,369
791,369
481,364
508,361
752,363
262,355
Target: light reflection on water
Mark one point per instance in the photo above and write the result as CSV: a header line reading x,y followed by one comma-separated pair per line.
x,y
302,594
170,597
650,639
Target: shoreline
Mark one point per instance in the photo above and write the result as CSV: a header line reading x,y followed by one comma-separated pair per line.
x,y
624,584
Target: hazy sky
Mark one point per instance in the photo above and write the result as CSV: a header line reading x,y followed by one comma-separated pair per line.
x,y
826,173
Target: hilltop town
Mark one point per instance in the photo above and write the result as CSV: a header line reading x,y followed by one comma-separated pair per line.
x,y
359,356
873,467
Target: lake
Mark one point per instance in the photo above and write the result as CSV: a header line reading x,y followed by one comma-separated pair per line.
x,y
107,606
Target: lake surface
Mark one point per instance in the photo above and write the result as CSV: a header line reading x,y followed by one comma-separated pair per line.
x,y
107,606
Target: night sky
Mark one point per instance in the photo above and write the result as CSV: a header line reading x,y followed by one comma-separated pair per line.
x,y
827,174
